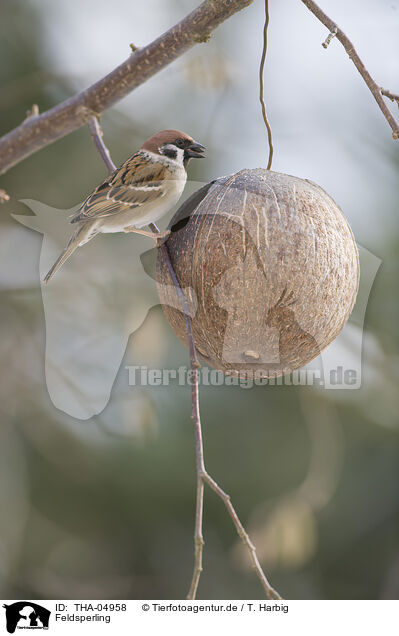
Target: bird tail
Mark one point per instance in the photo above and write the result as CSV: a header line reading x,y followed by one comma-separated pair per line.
x,y
82,235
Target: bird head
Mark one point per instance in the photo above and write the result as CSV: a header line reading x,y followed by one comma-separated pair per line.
x,y
175,145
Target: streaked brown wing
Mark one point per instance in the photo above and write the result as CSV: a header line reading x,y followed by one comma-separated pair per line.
x,y
132,185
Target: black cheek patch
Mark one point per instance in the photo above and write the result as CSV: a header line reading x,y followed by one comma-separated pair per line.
x,y
170,152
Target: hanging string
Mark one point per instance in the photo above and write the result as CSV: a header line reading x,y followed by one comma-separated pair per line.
x,y
261,85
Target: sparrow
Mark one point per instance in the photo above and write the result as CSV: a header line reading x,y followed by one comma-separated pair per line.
x,y
139,192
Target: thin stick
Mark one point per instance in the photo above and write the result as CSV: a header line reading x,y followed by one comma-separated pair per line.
x,y
328,39
391,96
200,469
271,593
97,135
203,476
261,86
195,416
351,51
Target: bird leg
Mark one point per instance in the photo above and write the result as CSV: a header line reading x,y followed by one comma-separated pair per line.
x,y
153,235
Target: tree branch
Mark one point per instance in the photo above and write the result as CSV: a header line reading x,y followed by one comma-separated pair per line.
x,y
391,96
376,91
41,130
203,476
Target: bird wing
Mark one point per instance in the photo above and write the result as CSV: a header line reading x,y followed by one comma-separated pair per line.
x,y
135,183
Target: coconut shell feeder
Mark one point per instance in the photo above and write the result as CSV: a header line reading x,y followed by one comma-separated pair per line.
x,y
270,269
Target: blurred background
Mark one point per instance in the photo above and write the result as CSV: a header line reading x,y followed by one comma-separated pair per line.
x,y
104,507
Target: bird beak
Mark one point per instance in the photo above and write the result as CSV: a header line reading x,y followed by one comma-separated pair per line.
x,y
194,151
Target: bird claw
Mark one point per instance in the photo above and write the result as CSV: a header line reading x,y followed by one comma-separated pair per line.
x,y
154,235
162,235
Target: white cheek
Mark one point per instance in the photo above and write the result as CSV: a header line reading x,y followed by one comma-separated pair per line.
x,y
180,156
179,160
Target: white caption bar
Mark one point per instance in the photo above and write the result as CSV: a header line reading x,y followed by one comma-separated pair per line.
x,y
282,618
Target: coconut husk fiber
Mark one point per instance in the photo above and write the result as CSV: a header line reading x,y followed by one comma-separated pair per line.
x,y
270,269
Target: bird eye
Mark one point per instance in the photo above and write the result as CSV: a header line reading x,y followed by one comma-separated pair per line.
x,y
179,143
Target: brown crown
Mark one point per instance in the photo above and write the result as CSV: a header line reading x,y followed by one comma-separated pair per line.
x,y
164,137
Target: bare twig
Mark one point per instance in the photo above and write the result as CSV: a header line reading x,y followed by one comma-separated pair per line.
x,y
391,96
261,86
271,593
351,51
200,466
36,133
195,416
97,134
329,37
32,112
203,476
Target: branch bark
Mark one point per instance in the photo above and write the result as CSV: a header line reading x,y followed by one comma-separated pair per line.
x,y
39,131
375,90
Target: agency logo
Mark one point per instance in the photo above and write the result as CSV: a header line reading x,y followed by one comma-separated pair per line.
x,y
26,615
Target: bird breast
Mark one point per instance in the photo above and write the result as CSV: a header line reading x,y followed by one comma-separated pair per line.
x,y
149,212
